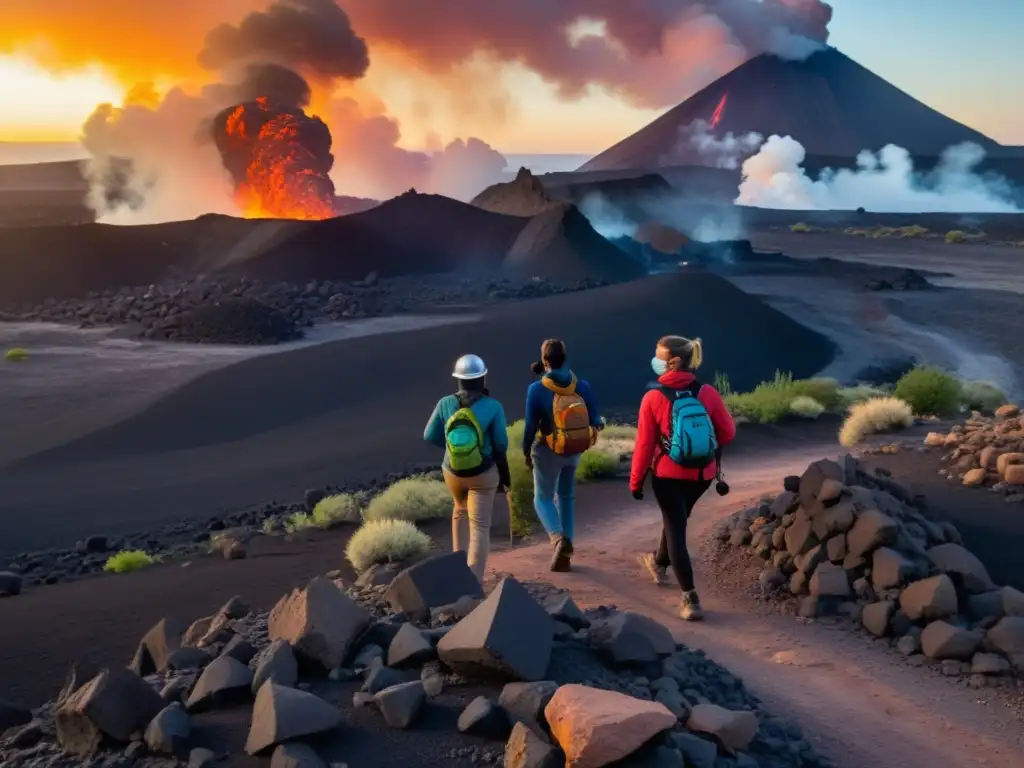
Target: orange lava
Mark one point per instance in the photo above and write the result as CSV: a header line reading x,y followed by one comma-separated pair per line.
x,y
279,183
715,118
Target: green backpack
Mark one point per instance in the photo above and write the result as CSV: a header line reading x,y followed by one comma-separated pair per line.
x,y
465,441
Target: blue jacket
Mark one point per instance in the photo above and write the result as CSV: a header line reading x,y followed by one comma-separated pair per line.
x,y
540,403
488,412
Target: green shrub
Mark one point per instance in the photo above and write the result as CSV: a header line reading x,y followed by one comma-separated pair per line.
x,y
16,355
385,541
799,227
982,396
128,561
520,495
722,384
596,464
806,407
876,415
771,400
929,391
914,230
956,236
413,499
336,510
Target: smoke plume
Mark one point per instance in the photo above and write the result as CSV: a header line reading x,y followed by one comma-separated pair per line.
x,y
883,183
727,151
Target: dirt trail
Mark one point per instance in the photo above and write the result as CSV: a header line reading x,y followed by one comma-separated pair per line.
x,y
855,701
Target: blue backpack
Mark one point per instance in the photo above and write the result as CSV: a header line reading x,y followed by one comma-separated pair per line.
x,y
692,442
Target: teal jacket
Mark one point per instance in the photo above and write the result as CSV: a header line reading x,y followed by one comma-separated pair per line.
x,y
488,412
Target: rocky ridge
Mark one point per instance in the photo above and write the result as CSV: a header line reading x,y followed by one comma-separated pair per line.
x,y
839,540
565,686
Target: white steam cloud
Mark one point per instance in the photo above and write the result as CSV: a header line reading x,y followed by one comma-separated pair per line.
x,y
726,151
885,182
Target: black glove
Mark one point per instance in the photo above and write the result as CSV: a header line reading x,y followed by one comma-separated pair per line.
x,y
504,475
529,462
638,494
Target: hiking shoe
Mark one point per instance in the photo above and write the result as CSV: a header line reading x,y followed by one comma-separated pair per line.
x,y
560,559
567,547
689,608
649,563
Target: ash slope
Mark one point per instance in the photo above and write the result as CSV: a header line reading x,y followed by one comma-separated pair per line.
x,y
829,103
354,410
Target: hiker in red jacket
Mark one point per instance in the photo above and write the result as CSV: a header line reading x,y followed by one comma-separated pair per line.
x,y
682,429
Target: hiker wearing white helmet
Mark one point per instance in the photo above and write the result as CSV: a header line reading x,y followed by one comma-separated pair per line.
x,y
470,426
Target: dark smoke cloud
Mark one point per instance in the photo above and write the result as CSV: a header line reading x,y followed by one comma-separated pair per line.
x,y
313,36
280,84
652,52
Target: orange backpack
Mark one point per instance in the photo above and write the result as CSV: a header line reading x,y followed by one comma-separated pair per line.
x,y
571,433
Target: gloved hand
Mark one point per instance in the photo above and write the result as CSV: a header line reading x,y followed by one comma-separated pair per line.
x,y
638,494
529,462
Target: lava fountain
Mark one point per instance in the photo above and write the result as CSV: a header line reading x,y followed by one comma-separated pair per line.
x,y
280,159
717,116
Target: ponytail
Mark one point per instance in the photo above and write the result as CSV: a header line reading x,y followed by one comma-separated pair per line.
x,y
689,351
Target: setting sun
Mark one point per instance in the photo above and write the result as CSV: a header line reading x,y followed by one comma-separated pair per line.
x,y
43,106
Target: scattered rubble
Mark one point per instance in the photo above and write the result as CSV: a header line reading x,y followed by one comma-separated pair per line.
x,y
575,696
986,452
843,541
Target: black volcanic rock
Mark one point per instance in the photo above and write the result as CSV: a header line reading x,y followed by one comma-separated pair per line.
x,y
231,321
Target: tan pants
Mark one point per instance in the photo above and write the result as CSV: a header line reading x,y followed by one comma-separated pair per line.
x,y
471,516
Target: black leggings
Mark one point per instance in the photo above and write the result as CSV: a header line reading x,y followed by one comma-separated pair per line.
x,y
676,498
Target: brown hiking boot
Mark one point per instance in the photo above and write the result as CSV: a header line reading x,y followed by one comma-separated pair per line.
x,y
689,608
656,572
560,559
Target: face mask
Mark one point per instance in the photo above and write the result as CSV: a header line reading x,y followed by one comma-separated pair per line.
x,y
659,366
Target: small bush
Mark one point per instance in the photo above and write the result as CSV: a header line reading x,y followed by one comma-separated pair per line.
x,y
384,541
806,407
128,561
770,401
799,227
616,439
914,230
413,499
982,396
956,236
337,509
850,396
596,464
876,415
16,355
929,391
520,495
722,384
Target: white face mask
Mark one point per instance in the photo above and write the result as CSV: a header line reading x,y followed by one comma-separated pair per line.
x,y
659,366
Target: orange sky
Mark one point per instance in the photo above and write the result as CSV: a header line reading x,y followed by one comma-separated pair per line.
x,y
58,58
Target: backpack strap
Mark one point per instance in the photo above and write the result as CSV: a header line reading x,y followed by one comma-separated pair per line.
x,y
568,389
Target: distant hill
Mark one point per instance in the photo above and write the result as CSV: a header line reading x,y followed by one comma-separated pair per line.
x,y
829,103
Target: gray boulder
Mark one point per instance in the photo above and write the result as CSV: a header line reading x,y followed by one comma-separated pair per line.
x,y
800,536
813,481
157,646
410,648
561,607
168,733
876,617
697,752
509,634
277,662
1008,635
114,704
954,559
200,757
401,704
224,682
989,664
890,569
239,649
632,638
929,599
829,580
282,714
871,531
734,730
431,583
485,719
525,702
526,749
321,622
10,584
295,754
942,640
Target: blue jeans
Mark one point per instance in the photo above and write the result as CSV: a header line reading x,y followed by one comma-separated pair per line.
x,y
554,490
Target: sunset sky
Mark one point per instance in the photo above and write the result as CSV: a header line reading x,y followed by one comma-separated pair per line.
x,y
57,63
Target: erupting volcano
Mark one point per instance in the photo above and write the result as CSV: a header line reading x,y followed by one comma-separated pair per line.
x,y
280,159
717,117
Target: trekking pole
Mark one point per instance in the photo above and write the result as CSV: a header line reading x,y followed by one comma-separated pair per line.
x,y
508,500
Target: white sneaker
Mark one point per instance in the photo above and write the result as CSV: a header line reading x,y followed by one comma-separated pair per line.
x,y
689,608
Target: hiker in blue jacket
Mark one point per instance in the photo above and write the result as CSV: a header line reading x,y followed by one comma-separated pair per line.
x,y
562,421
470,426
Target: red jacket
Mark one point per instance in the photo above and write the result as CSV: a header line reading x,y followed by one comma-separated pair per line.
x,y
655,414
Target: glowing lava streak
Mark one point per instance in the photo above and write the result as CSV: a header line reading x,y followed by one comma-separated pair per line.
x,y
718,111
284,178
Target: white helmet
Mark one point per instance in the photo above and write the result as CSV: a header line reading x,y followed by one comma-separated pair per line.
x,y
469,367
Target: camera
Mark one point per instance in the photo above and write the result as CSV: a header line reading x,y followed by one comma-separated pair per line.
x,y
722,488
